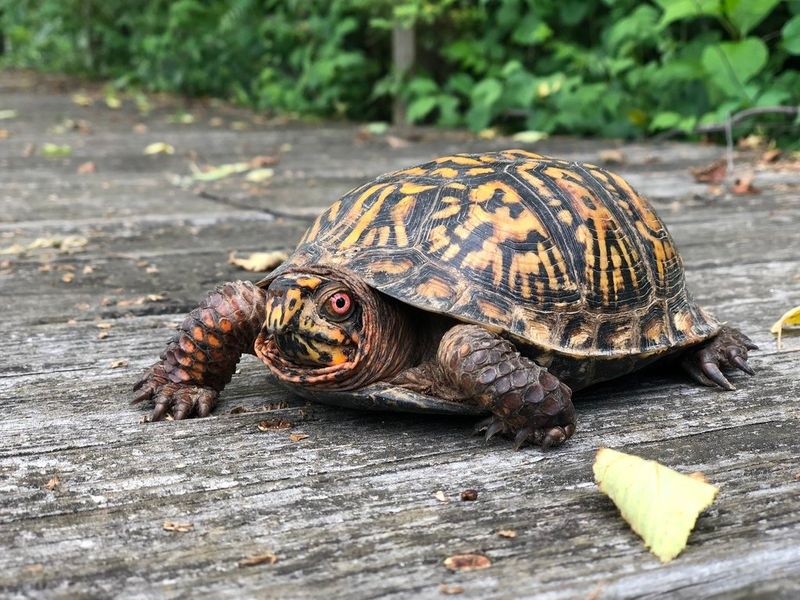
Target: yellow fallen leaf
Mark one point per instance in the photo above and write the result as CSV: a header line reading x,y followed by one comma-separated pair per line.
x,y
659,504
220,172
259,175
55,150
258,262
82,99
791,318
529,137
159,148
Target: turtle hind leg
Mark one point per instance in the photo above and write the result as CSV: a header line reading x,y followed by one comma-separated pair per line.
x,y
727,350
527,402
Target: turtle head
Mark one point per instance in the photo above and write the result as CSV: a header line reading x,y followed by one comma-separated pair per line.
x,y
327,328
314,321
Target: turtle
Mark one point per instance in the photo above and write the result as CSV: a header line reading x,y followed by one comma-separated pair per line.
x,y
492,284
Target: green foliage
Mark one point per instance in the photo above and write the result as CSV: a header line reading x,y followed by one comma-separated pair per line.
x,y
602,67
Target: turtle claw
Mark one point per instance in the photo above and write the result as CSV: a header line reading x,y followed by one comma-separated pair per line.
x,y
742,365
497,426
482,425
711,370
727,350
522,437
181,400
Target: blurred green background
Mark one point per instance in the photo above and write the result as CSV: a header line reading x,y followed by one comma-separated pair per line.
x,y
618,68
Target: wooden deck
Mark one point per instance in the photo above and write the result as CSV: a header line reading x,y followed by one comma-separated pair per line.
x,y
350,511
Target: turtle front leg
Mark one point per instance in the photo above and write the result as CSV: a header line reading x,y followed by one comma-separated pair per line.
x,y
727,350
526,400
202,357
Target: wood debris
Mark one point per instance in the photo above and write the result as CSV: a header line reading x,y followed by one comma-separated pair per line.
x,y
275,425
467,562
469,495
451,590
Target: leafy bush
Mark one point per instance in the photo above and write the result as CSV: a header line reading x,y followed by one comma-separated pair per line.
x,y
607,67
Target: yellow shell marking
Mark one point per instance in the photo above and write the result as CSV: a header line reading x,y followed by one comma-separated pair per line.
x,y
458,160
434,288
367,218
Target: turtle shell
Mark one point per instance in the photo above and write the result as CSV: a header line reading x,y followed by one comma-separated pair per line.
x,y
562,255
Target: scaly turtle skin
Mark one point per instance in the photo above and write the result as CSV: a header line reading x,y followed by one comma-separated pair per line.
x,y
494,283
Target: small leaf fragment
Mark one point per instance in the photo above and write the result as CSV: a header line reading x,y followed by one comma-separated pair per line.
x,y
660,504
53,483
259,175
50,150
159,148
220,172
440,496
259,559
177,527
258,262
117,364
8,113
507,533
296,437
529,137
467,562
790,319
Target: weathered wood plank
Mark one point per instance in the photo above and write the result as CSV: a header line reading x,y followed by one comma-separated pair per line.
x,y
350,510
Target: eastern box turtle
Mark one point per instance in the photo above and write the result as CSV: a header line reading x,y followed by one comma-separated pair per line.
x,y
493,283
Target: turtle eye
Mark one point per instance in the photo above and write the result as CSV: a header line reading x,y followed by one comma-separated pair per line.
x,y
340,304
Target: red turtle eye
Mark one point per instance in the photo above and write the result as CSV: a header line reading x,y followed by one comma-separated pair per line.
x,y
340,303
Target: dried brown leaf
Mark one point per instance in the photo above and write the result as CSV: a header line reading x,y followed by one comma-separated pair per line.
x,y
68,277
258,162
258,262
53,483
177,526
467,562
86,168
104,325
744,185
259,559
397,142
102,335
296,437
771,155
117,364
507,533
711,173
611,156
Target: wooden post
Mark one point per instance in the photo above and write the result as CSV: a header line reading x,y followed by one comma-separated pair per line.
x,y
403,55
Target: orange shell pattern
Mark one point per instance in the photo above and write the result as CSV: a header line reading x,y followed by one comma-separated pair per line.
x,y
566,256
